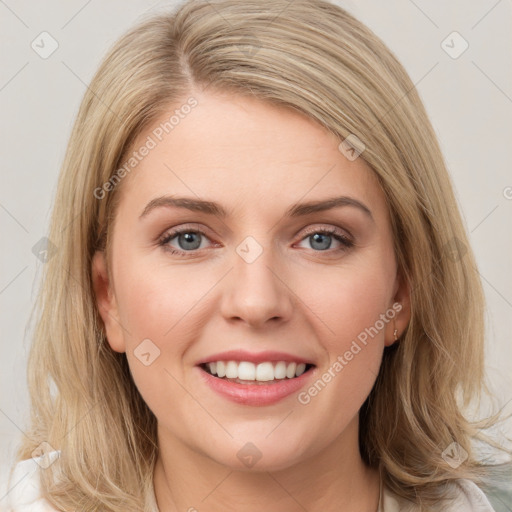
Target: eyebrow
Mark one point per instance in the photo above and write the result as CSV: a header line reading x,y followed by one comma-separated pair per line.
x,y
212,208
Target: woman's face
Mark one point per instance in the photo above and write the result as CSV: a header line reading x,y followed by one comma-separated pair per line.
x,y
258,271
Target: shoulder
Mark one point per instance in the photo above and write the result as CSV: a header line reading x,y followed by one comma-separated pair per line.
x,y
472,498
468,498
24,490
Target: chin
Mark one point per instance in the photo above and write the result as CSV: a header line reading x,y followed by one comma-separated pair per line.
x,y
261,454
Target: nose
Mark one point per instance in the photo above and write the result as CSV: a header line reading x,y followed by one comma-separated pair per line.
x,y
257,292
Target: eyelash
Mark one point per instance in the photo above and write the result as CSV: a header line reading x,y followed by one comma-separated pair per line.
x,y
334,232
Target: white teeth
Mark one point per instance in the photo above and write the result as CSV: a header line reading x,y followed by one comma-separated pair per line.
x,y
221,369
301,368
262,372
280,370
246,371
231,370
290,370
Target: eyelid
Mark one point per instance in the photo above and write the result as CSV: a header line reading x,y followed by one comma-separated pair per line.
x,y
335,231
183,228
329,229
191,226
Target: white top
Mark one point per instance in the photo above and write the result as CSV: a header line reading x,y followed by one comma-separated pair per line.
x,y
24,494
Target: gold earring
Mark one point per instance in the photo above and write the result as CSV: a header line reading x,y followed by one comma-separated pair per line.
x,y
395,332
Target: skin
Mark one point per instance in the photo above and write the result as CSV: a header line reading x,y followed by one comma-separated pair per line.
x,y
256,160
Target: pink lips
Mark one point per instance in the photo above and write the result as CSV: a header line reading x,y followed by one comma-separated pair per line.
x,y
260,357
255,394
261,394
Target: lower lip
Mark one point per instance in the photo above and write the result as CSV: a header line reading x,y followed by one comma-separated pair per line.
x,y
256,394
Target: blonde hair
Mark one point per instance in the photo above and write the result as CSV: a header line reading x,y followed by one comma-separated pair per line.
x,y
315,58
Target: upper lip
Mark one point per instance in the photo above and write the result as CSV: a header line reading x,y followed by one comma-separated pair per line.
x,y
254,357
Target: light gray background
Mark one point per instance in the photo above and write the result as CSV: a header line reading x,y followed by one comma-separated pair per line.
x,y
469,100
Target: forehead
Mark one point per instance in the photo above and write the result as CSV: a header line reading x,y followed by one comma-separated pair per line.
x,y
240,150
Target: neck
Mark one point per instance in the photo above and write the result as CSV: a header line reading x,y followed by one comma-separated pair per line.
x,y
333,479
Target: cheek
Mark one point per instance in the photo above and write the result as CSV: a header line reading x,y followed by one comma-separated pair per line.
x,y
161,309
350,309
350,300
155,300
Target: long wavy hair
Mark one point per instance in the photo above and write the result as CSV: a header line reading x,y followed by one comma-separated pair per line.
x,y
315,58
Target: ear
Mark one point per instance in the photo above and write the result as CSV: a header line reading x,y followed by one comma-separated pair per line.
x,y
106,302
401,305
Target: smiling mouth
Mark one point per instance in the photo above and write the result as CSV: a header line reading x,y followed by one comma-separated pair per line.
x,y
245,372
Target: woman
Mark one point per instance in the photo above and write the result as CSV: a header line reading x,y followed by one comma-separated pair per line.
x,y
264,296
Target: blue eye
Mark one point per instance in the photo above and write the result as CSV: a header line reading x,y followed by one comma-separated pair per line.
x,y
190,240
321,239
324,240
